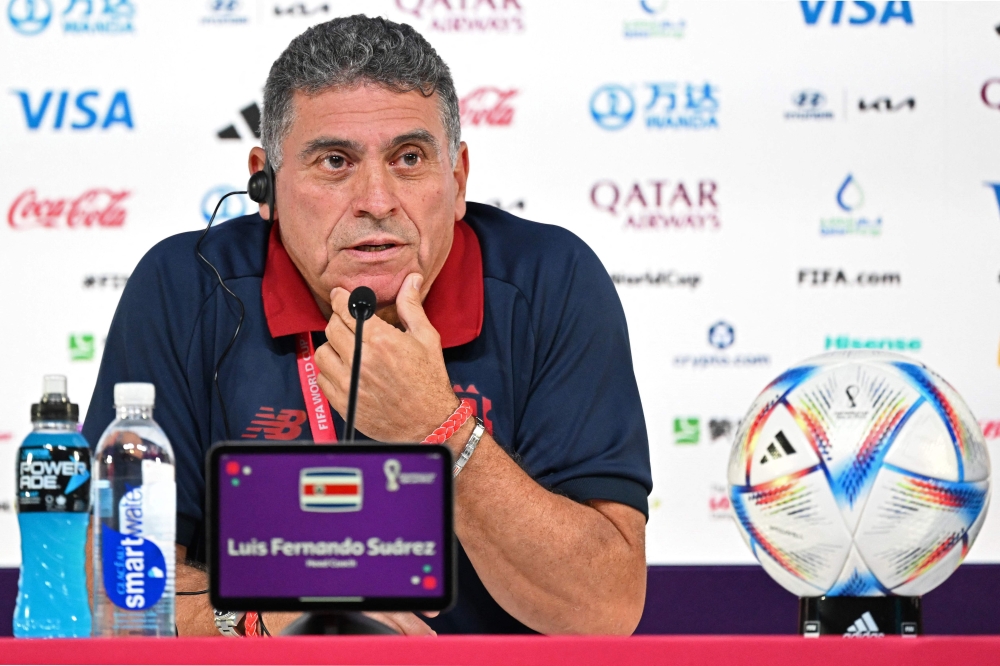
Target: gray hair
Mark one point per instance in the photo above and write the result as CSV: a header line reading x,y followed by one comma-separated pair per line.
x,y
351,51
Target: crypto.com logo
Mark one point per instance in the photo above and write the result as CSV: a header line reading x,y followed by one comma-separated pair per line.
x,y
721,335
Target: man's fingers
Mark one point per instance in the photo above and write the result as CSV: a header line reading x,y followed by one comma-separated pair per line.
x,y
410,308
341,337
334,375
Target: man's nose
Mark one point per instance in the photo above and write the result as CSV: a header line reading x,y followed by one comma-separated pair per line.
x,y
375,196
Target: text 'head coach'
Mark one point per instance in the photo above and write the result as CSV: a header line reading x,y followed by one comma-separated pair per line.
x,y
477,310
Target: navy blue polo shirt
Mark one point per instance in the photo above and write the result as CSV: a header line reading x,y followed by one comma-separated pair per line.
x,y
531,326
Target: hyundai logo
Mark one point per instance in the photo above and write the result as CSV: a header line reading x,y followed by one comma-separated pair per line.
x,y
812,99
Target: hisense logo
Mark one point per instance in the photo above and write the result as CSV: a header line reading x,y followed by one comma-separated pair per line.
x,y
844,342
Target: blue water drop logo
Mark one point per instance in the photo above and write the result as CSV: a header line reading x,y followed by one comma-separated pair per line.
x,y
849,196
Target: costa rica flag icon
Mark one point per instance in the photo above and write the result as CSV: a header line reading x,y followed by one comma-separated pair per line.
x,y
330,489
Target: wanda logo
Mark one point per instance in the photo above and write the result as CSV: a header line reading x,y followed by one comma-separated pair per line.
x,y
487,106
97,207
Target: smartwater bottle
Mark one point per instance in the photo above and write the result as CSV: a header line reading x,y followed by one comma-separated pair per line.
x,y
53,506
135,520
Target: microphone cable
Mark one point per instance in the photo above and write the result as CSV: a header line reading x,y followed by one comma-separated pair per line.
x,y
239,325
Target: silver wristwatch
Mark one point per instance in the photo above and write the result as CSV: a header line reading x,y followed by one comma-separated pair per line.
x,y
477,434
226,621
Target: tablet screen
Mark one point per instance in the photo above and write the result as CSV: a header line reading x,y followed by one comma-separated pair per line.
x,y
339,527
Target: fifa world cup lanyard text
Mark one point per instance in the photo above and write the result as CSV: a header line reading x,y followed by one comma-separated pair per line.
x,y
317,406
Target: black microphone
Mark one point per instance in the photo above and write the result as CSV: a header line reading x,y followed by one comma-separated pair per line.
x,y
361,306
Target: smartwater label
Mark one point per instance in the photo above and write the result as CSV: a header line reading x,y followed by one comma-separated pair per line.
x,y
136,572
56,479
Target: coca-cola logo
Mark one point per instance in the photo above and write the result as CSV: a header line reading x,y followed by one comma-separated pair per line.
x,y
97,207
660,204
487,106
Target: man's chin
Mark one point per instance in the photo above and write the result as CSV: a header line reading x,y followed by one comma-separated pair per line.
x,y
385,286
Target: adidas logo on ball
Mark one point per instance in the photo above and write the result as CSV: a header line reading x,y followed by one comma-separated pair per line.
x,y
772,450
864,627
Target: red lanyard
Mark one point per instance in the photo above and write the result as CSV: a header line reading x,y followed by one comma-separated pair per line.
x,y
317,406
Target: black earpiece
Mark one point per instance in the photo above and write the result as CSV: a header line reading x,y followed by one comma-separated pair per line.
x,y
261,188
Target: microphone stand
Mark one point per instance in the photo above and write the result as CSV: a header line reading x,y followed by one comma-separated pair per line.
x,y
362,306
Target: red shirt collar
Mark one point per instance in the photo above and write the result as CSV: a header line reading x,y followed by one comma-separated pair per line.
x,y
454,304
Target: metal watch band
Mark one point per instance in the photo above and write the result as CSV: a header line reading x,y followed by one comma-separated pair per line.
x,y
470,447
226,621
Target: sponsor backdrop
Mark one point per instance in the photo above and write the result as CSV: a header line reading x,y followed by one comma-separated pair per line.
x,y
763,182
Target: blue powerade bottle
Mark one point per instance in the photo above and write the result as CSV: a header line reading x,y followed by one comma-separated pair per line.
x,y
53,505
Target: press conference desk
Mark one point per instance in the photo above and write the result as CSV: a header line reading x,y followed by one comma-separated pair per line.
x,y
455,650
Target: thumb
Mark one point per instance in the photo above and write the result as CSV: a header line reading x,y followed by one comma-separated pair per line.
x,y
410,307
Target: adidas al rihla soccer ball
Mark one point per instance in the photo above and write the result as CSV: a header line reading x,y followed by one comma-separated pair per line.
x,y
859,474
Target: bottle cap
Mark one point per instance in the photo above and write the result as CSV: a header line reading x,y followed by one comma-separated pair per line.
x,y
55,404
137,394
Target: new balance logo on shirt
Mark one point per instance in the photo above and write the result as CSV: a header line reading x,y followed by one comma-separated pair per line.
x,y
864,627
285,425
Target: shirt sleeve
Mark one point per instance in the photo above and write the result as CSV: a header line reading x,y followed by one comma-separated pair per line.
x,y
582,431
150,341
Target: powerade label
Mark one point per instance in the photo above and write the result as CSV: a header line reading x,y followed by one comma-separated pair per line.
x,y
135,572
53,479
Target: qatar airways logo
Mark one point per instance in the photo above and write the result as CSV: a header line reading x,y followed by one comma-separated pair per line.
x,y
97,207
487,106
667,205
503,16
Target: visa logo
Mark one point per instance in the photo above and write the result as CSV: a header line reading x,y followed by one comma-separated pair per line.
x,y
330,489
82,111
859,13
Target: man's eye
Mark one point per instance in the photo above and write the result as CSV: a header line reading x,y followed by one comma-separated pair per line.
x,y
411,159
335,161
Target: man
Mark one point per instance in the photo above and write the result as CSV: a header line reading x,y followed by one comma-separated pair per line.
x,y
361,130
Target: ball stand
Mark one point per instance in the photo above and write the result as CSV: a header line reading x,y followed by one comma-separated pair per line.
x,y
860,617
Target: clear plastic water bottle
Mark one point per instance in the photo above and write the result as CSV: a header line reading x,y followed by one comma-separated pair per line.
x,y
135,521
53,505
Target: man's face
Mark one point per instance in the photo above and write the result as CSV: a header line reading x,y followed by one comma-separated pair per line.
x,y
367,193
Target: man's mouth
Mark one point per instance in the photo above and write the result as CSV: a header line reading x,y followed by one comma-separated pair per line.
x,y
374,248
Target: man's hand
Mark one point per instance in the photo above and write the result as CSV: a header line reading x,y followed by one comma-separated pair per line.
x,y
407,624
404,392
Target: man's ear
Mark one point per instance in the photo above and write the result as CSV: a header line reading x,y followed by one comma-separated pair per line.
x,y
256,163
461,175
